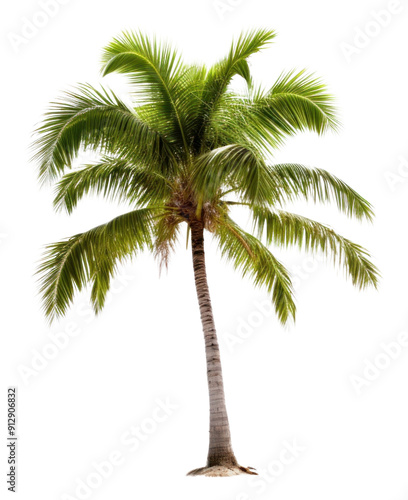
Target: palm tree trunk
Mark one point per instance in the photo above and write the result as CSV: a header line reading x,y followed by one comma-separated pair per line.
x,y
220,449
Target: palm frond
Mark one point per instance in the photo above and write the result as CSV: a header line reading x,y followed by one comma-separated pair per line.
x,y
114,179
100,121
316,184
235,121
285,229
91,257
236,63
221,74
252,258
236,166
154,69
297,102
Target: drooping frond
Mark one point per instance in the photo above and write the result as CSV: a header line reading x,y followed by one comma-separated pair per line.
x,y
91,257
316,184
285,229
155,70
114,179
252,258
100,121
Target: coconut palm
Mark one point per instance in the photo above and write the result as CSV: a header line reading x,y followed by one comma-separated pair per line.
x,y
187,151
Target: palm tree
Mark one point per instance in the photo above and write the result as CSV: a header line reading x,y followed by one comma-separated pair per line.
x,y
188,150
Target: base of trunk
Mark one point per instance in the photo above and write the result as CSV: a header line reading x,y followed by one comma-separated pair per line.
x,y
222,471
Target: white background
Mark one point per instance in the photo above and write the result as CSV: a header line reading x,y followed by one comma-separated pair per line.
x,y
282,384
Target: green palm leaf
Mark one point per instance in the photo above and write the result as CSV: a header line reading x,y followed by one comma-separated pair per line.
x,y
100,121
154,70
316,184
236,166
221,74
114,179
297,102
91,257
284,229
252,258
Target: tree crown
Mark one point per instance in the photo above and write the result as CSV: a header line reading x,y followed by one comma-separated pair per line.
x,y
187,151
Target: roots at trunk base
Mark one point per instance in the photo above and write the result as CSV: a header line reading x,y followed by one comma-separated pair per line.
x,y
222,471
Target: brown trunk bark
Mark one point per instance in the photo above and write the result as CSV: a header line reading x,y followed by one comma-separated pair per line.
x,y
220,449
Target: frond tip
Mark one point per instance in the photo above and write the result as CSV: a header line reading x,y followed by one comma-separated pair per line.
x,y
316,184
